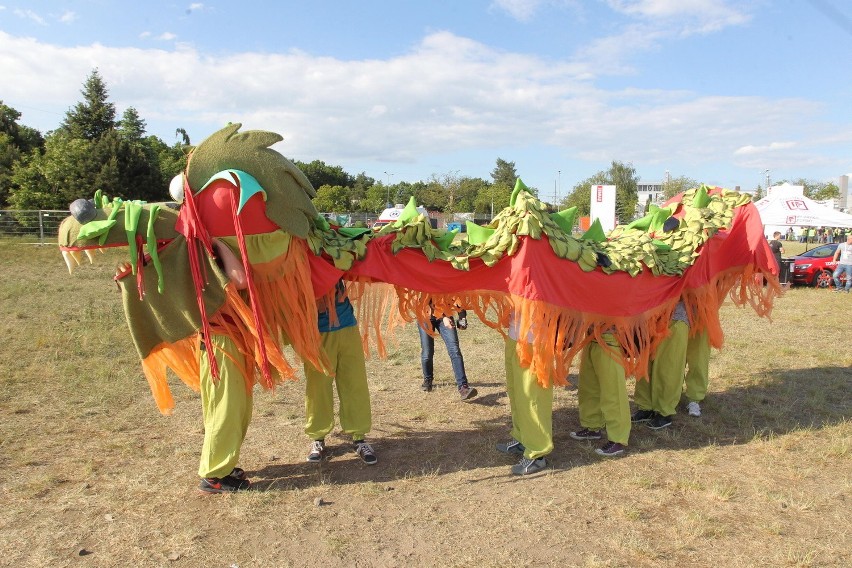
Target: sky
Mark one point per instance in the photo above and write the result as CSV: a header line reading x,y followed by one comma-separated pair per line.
x,y
403,90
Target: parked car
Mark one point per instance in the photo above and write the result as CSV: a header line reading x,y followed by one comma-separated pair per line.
x,y
815,267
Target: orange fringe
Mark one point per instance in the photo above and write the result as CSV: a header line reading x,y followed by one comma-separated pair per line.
x,y
288,305
235,320
557,335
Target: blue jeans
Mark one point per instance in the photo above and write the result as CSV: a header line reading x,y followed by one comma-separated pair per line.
x,y
427,351
841,268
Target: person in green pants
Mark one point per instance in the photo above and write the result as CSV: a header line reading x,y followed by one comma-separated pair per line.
x,y
657,398
226,405
603,397
341,343
697,377
532,413
226,410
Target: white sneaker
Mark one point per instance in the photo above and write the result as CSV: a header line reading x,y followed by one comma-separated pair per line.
x,y
693,408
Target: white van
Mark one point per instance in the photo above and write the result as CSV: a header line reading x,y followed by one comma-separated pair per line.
x,y
391,214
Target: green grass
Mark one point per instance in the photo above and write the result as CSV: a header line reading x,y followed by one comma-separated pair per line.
x,y
761,479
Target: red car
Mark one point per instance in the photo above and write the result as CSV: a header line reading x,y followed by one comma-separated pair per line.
x,y
815,267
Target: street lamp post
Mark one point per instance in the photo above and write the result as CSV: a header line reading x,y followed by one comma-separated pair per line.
x,y
389,204
767,181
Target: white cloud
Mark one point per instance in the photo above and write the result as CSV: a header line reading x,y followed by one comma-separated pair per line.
x,y
690,16
772,147
422,103
522,10
144,35
166,36
67,17
30,15
195,6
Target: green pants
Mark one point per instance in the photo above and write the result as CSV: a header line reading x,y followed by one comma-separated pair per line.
x,y
662,393
698,367
226,408
531,407
603,392
343,348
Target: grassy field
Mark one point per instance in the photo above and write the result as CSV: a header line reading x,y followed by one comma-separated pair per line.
x,y
95,476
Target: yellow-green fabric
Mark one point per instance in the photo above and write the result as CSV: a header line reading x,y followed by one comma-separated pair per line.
x,y
662,393
343,348
698,367
226,408
603,392
531,406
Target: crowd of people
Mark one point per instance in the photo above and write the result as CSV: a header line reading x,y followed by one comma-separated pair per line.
x,y
818,235
604,408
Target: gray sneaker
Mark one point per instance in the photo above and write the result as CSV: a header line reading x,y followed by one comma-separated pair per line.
x,y
512,447
529,466
693,408
317,452
365,452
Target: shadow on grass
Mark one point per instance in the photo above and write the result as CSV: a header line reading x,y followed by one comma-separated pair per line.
x,y
766,404
769,403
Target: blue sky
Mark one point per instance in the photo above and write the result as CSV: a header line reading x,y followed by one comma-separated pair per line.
x,y
404,89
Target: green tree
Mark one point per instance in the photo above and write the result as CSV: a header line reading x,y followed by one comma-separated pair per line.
x,y
678,185
825,191
492,199
319,173
332,199
131,126
623,177
581,195
55,178
469,190
94,116
758,193
626,182
358,192
504,172
16,143
374,199
170,160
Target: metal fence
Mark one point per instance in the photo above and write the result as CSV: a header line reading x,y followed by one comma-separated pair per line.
x,y
41,226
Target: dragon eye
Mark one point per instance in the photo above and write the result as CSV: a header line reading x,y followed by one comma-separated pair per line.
x,y
83,210
176,188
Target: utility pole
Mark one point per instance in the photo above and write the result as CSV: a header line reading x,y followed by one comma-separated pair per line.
x,y
389,204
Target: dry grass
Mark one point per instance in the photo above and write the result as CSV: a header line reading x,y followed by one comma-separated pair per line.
x,y
762,479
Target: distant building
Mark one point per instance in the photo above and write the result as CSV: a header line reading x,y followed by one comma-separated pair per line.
x,y
654,190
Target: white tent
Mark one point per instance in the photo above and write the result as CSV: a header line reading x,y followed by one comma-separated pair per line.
x,y
786,210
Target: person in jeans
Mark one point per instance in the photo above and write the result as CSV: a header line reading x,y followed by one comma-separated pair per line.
x,y
844,265
447,328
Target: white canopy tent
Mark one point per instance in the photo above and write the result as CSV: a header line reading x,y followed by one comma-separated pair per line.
x,y
786,210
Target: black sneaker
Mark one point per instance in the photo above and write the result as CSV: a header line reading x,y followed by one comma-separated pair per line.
x,y
238,473
610,449
512,447
658,422
227,484
642,416
317,451
467,393
426,386
365,452
586,434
